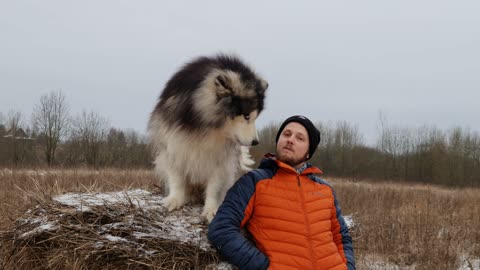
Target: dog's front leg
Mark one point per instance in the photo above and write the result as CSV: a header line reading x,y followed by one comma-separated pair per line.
x,y
212,198
215,191
177,191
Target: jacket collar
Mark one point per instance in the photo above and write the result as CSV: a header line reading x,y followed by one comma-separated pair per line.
x,y
271,162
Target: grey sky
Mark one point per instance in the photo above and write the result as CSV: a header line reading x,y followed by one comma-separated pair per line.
x,y
416,61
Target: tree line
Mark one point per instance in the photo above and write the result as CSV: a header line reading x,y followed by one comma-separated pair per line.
x,y
53,137
424,154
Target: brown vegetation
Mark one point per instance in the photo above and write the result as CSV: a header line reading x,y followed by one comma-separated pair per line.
x,y
408,225
424,154
413,225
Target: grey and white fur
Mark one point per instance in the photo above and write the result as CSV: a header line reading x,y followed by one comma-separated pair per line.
x,y
202,126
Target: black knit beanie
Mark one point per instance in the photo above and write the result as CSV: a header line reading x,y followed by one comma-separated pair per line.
x,y
313,133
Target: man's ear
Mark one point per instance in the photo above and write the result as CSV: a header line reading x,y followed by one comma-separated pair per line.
x,y
223,85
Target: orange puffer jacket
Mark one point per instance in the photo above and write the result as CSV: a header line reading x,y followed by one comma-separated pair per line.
x,y
294,219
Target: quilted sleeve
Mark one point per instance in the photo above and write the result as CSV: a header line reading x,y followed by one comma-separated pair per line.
x,y
224,232
341,235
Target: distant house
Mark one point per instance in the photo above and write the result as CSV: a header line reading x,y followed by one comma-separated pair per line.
x,y
16,134
16,148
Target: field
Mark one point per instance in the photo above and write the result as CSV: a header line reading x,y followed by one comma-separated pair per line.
x,y
396,226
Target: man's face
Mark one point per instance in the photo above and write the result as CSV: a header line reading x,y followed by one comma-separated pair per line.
x,y
292,145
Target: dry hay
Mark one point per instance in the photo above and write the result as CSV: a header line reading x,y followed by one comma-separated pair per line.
x,y
123,230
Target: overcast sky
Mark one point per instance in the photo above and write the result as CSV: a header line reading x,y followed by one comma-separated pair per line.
x,y
417,62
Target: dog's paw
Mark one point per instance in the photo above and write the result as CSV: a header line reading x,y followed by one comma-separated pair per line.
x,y
172,203
209,214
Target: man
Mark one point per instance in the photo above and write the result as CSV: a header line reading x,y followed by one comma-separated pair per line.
x,y
293,216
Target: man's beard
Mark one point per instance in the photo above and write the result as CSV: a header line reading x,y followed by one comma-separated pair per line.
x,y
294,162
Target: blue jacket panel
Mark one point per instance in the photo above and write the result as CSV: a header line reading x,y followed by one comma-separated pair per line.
x,y
224,230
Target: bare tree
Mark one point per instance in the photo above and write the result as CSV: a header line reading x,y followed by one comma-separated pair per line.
x,y
50,121
116,147
14,122
90,130
384,132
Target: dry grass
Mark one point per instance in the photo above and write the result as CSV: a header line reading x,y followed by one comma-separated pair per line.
x,y
425,227
112,234
13,199
421,226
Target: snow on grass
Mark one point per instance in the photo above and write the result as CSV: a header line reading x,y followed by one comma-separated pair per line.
x,y
184,225
349,221
47,226
83,201
469,263
115,238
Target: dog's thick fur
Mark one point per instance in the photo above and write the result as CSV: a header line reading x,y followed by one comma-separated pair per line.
x,y
202,127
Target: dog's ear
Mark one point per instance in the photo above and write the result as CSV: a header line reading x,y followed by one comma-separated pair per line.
x,y
223,85
263,86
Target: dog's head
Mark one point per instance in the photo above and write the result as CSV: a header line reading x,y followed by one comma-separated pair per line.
x,y
237,94
242,100
241,93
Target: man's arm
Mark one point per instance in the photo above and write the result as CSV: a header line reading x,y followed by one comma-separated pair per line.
x,y
341,235
224,230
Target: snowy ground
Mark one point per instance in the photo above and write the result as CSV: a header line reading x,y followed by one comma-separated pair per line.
x,y
469,264
184,225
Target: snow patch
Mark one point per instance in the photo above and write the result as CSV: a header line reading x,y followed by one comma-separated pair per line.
x,y
115,238
83,201
47,226
349,221
184,225
469,263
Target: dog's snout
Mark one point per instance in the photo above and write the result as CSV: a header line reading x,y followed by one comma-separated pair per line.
x,y
254,142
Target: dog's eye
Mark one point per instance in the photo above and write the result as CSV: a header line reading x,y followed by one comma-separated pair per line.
x,y
246,116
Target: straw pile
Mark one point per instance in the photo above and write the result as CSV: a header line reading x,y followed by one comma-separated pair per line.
x,y
123,230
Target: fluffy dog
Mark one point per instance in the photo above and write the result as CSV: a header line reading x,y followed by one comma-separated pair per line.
x,y
202,126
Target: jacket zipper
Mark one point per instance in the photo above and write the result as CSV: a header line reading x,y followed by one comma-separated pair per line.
x,y
307,222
